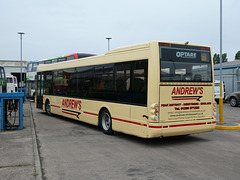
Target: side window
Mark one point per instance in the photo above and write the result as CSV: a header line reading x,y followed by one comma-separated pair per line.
x,y
139,82
70,58
107,77
85,81
47,83
122,77
71,79
58,83
9,80
61,59
98,81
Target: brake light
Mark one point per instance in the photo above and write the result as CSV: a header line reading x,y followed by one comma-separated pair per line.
x,y
154,112
4,89
165,44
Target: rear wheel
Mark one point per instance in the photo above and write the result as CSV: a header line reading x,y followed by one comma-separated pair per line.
x,y
233,102
48,108
106,122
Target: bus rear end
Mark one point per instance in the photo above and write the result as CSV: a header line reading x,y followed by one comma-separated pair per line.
x,y
186,99
3,81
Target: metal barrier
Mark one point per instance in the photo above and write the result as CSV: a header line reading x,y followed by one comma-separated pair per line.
x,y
25,94
11,103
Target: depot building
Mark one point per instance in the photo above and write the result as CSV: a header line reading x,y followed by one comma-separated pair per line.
x,y
13,67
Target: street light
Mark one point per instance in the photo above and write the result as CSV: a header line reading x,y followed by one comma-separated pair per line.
x,y
21,33
108,38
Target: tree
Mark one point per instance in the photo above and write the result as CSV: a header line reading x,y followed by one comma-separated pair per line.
x,y
216,58
237,56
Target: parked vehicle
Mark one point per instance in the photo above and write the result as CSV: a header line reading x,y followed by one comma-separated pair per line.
x,y
12,85
217,90
234,99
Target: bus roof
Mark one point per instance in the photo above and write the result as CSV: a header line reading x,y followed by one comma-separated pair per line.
x,y
86,62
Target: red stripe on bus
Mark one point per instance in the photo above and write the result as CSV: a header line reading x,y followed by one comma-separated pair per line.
x,y
185,98
55,106
117,119
90,113
182,125
131,122
193,124
69,113
155,127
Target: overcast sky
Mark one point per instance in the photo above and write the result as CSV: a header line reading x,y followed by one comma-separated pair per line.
x,y
59,27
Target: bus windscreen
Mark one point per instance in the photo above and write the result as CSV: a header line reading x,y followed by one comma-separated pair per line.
x,y
184,64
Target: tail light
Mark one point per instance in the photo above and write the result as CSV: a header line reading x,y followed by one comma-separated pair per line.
x,y
215,109
4,89
154,112
165,44
205,48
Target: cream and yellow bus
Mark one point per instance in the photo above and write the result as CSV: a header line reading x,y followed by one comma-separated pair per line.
x,y
149,90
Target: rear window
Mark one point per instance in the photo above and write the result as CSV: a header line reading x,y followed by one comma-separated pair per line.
x,y
9,80
184,64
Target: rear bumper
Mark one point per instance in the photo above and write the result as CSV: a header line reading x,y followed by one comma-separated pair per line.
x,y
180,128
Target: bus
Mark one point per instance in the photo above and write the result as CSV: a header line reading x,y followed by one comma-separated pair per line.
x,y
149,90
32,67
3,81
12,85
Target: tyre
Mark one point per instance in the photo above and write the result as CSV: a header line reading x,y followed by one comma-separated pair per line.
x,y
48,108
233,102
106,122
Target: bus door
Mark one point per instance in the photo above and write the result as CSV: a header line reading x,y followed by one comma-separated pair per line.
x,y
39,90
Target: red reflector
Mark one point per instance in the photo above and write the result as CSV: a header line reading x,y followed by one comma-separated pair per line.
x,y
165,44
205,48
4,89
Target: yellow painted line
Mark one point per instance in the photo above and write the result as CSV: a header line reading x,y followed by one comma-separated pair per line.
x,y
228,127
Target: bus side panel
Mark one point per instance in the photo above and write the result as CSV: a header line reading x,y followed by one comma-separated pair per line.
x,y
125,118
138,125
74,108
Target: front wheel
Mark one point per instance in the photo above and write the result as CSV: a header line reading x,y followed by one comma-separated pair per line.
x,y
233,102
106,122
48,108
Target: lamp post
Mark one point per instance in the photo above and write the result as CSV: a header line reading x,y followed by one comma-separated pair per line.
x,y
221,90
21,33
108,38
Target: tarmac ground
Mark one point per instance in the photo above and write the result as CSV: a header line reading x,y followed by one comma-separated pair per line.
x,y
19,151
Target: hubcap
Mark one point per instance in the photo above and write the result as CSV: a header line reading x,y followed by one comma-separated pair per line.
x,y
233,102
106,121
48,108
